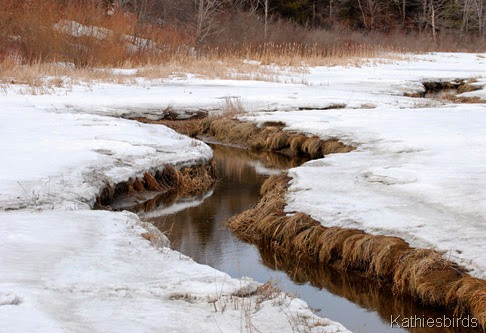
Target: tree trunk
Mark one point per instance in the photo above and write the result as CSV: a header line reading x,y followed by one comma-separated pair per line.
x,y
432,14
404,11
266,19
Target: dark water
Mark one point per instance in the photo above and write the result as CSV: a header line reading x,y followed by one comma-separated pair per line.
x,y
440,93
196,227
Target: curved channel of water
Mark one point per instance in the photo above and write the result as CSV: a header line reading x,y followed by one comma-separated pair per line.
x,y
196,227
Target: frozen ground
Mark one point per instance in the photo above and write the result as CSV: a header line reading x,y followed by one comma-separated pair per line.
x,y
67,268
418,173
368,86
91,271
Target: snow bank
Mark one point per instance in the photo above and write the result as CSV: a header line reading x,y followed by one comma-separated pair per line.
x,y
55,157
417,174
90,271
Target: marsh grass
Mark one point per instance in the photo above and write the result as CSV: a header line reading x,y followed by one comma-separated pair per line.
x,y
420,273
187,181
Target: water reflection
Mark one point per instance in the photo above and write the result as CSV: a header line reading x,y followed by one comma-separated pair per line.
x,y
196,227
357,289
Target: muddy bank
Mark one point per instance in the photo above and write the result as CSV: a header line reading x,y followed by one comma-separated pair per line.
x,y
420,273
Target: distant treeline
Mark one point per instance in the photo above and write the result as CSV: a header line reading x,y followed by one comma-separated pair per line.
x,y
116,32
425,16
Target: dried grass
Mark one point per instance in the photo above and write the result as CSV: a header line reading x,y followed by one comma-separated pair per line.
x,y
426,275
420,273
187,181
330,243
469,295
28,39
272,138
463,99
312,147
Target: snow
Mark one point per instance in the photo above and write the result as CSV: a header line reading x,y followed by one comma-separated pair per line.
x,y
371,85
84,270
67,268
77,29
55,157
417,173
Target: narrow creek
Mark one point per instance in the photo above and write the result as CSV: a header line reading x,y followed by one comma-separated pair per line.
x,y
196,227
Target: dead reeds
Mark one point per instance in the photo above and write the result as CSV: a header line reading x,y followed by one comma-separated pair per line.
x,y
270,138
420,273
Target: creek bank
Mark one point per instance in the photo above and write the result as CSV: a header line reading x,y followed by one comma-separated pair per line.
x,y
449,91
423,274
197,228
143,193
268,137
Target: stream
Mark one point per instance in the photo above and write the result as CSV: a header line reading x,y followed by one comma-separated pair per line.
x,y
196,227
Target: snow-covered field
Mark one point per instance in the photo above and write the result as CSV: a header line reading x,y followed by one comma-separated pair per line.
x,y
418,173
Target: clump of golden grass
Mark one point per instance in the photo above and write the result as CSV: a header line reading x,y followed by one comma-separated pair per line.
x,y
425,275
468,294
419,273
330,243
463,99
270,138
187,181
196,179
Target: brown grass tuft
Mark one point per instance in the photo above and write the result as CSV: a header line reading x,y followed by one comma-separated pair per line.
x,y
426,275
466,295
188,181
333,146
421,273
169,177
278,141
330,243
296,143
151,183
276,184
138,184
312,147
